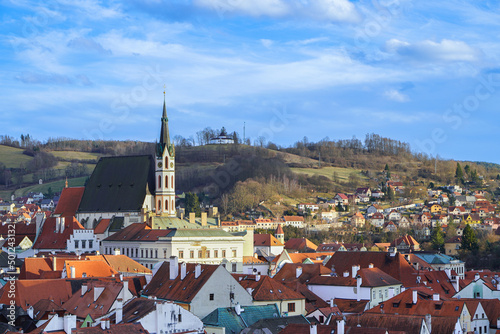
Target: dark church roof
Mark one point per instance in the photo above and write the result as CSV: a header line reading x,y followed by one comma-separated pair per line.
x,y
119,184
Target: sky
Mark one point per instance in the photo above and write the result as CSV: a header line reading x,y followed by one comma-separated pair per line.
x,y
424,72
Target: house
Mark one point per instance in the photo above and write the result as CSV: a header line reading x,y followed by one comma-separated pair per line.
x,y
198,288
404,222
373,209
456,210
358,220
265,290
149,246
443,198
390,227
236,319
342,199
377,219
406,244
157,316
268,244
394,215
361,284
253,265
291,272
331,247
452,245
326,314
296,221
47,204
480,287
378,194
308,206
60,234
7,207
302,245
443,262
364,191
472,218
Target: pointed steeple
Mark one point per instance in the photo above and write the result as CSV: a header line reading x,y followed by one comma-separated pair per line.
x,y
164,135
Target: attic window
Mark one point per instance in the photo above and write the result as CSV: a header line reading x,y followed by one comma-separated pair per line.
x,y
75,308
136,312
456,308
271,291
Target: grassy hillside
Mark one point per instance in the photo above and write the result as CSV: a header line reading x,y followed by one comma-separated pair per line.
x,y
12,157
342,174
55,186
75,155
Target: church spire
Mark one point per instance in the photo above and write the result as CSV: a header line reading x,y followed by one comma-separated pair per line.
x,y
164,135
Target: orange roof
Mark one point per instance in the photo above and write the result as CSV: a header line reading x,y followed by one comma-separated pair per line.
x,y
293,218
29,292
89,268
121,263
253,259
301,257
69,201
288,272
300,244
265,240
279,230
34,267
102,226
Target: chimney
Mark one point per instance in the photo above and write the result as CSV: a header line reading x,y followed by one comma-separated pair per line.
x,y
173,267
30,312
476,277
238,309
435,297
197,270
63,220
72,272
346,273
183,270
203,219
58,224
108,323
117,251
192,216
69,323
340,326
298,272
54,264
125,289
257,278
370,265
428,322
84,288
103,324
358,287
313,329
355,269
457,284
332,302
414,296
119,310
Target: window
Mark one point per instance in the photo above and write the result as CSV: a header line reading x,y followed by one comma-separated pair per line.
x,y
76,244
231,295
211,296
386,294
380,293
156,253
216,253
91,244
159,181
179,318
159,205
233,267
291,307
166,162
191,254
321,319
166,181
374,294
84,244
172,183
234,252
181,254
142,252
164,253
166,205
200,253
223,253
207,253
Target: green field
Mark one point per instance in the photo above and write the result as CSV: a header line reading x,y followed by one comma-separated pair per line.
x,y
342,173
74,155
56,186
12,157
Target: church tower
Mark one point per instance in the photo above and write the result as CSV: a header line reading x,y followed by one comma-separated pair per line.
x,y
165,170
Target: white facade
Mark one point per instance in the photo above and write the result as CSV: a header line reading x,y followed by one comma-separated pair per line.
x,y
165,184
83,241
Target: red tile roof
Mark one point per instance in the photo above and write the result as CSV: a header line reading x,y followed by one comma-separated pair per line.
x,y
293,218
128,328
371,277
102,226
266,289
49,239
138,232
121,263
279,230
69,201
300,244
87,268
288,272
265,240
29,292
180,290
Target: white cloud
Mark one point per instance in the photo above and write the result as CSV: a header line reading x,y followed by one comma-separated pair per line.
x,y
427,50
333,10
273,8
266,43
395,95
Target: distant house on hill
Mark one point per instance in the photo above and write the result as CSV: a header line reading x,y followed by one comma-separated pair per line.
x,y
222,138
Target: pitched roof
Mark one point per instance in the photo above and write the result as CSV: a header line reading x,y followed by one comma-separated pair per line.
x,y
138,232
49,239
34,267
265,240
396,266
69,201
180,290
293,218
288,272
119,184
233,323
313,301
29,292
128,328
317,257
121,263
300,244
400,323
279,230
351,305
89,268
407,239
371,277
102,226
266,289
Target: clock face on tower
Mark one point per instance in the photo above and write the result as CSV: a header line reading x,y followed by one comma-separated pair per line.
x,y
160,164
171,165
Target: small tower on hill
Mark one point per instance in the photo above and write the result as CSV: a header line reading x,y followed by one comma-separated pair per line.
x,y
279,234
165,170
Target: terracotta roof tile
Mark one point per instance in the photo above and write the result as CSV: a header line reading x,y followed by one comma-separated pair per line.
x,y
87,268
49,239
266,289
121,263
265,240
69,201
300,244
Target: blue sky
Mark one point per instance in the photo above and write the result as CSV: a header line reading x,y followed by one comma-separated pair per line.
x,y
425,72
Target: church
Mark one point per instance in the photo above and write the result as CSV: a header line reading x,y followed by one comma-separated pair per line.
x,y
132,189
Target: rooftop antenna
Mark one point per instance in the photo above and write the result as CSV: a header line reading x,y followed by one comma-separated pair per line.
x,y
244,137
